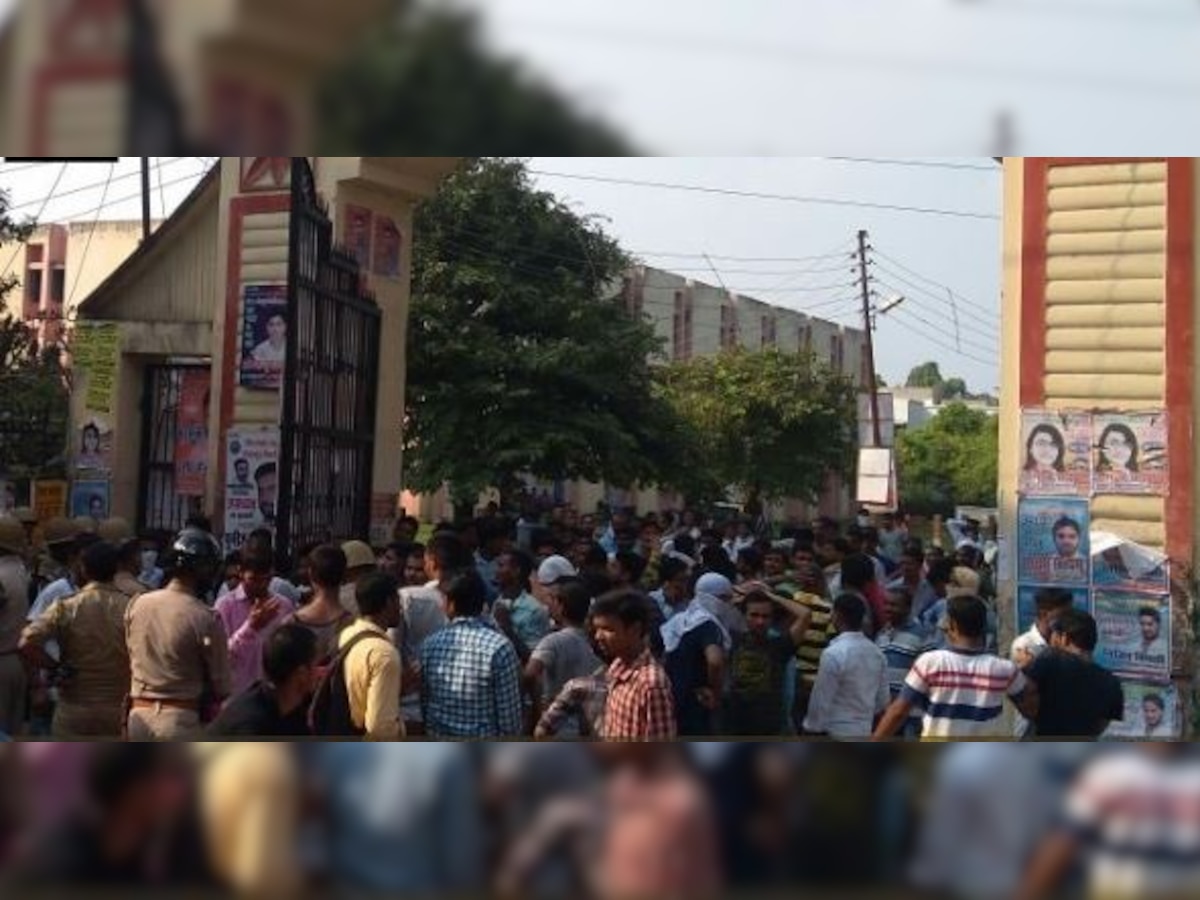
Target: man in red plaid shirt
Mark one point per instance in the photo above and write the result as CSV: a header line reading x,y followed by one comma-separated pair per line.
x,y
640,706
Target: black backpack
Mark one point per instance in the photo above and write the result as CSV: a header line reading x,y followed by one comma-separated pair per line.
x,y
329,713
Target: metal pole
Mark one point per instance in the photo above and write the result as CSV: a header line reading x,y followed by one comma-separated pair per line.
x,y
145,197
877,430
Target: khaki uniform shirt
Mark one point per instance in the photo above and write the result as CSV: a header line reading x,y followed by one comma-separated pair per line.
x,y
14,602
373,678
174,640
128,585
89,628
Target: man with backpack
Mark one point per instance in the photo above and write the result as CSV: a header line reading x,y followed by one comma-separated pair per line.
x,y
360,694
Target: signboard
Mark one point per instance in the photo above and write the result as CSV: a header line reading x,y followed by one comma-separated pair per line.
x,y
1151,713
1057,454
49,500
1135,634
191,433
90,498
1053,542
264,336
877,477
96,351
1131,453
251,494
887,421
94,450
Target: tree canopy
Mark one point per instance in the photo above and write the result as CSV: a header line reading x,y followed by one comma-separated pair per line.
x,y
518,364
926,375
426,83
952,461
771,424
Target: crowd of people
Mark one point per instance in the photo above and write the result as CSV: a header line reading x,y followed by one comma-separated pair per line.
x,y
972,820
562,627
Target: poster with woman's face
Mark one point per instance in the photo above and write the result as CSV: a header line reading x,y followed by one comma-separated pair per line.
x,y
1131,453
1053,541
94,448
1056,453
1151,713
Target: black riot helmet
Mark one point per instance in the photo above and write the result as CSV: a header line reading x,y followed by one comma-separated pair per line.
x,y
195,554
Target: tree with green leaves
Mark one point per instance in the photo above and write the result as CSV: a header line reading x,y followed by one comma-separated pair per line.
x,y
426,82
34,403
771,424
952,461
926,375
520,363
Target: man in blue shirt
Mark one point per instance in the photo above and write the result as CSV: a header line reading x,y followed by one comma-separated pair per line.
x,y
470,672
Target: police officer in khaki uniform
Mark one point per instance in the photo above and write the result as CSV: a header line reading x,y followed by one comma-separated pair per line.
x,y
120,534
93,660
14,606
28,519
53,564
178,649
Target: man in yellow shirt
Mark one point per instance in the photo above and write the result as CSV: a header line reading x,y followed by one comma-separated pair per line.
x,y
372,666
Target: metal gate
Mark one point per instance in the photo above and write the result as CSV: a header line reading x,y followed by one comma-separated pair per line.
x,y
327,445
160,504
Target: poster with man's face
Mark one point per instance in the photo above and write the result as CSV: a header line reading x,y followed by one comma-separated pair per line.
x,y
1151,713
90,498
1052,541
1135,634
251,492
264,337
1056,455
1131,453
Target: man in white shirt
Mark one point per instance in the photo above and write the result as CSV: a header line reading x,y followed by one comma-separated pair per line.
x,y
1050,603
851,688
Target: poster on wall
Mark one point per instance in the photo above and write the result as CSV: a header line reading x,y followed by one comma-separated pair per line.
x,y
357,234
387,248
96,351
1056,453
191,433
94,450
49,500
252,456
1131,453
14,495
1121,565
1135,634
1027,604
90,498
1151,713
264,336
1053,542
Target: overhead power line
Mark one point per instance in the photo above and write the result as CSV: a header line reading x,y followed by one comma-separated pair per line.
x,y
99,185
941,344
45,202
917,163
783,198
967,301
992,338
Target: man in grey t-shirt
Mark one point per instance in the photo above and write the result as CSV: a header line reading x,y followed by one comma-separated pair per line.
x,y
563,654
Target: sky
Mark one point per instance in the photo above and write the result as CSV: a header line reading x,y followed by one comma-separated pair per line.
x,y
759,247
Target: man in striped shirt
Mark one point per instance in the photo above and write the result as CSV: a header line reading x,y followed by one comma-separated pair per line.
x,y
961,690
903,640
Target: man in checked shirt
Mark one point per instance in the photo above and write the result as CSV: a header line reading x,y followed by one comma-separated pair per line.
x,y
640,706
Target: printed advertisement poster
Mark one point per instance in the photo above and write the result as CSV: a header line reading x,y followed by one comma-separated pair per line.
x,y
387,248
1027,604
357,234
14,495
1121,565
96,350
264,336
1135,634
90,498
191,433
1151,713
1057,453
1052,542
1131,453
95,448
49,500
252,492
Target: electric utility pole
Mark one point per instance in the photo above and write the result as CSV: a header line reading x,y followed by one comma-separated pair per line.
x,y
868,323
